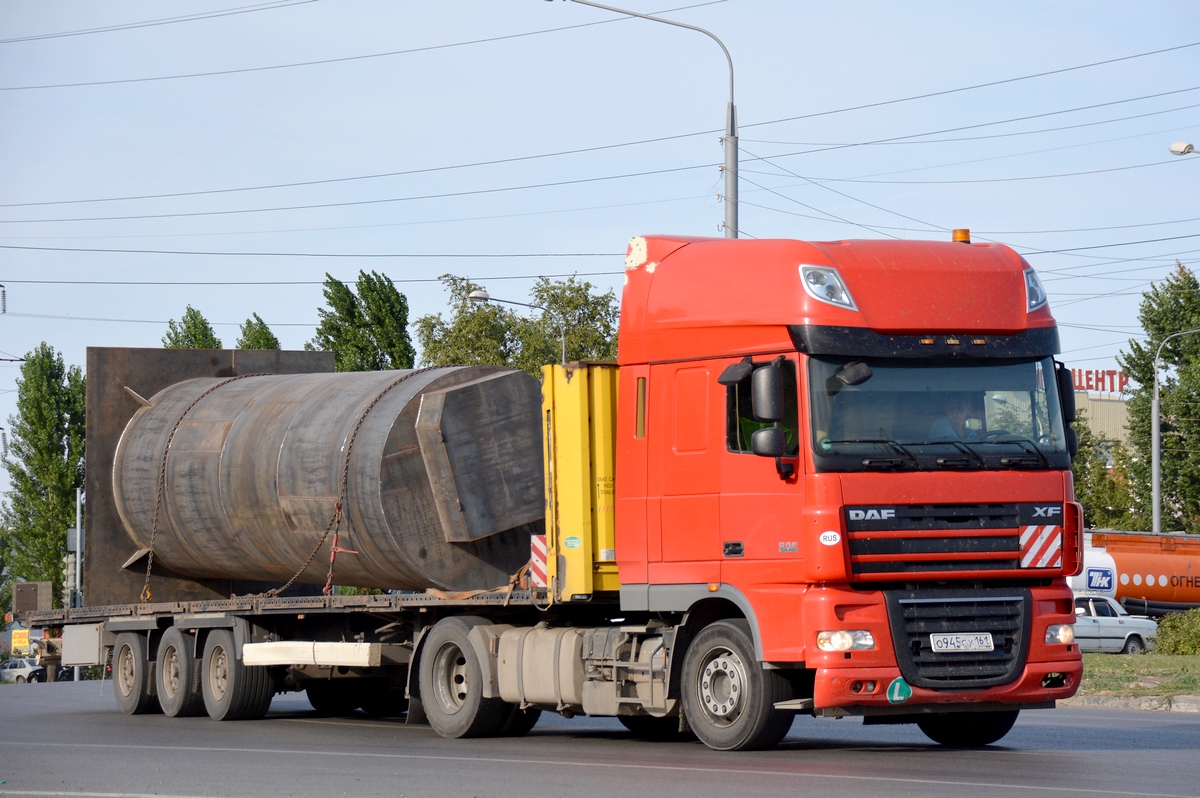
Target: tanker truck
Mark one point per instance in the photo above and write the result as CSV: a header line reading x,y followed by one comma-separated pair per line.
x,y
1148,574
824,479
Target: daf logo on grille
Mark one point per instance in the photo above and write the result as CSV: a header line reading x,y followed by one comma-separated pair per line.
x,y
1047,512
872,514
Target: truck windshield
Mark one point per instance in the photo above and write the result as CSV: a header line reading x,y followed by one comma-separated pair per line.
x,y
888,414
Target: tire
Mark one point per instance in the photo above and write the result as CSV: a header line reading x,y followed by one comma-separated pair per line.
x,y
1133,645
177,675
519,721
132,683
728,698
232,691
20,680
648,727
967,729
381,698
452,683
333,696
37,676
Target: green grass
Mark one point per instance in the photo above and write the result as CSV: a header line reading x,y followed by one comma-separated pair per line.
x,y
1140,675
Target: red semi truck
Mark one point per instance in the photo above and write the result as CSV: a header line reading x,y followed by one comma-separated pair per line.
x,y
829,479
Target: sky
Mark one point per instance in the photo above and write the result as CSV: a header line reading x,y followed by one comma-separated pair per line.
x,y
230,155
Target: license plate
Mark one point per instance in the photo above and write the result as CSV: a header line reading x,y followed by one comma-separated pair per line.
x,y
961,642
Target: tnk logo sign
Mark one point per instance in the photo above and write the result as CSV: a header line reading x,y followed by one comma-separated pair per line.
x,y
1099,579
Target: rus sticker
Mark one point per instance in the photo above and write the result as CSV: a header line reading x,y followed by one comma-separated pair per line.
x,y
830,538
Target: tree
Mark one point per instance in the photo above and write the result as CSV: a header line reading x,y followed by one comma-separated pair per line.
x,y
192,332
492,334
1104,490
44,468
1167,307
367,331
256,335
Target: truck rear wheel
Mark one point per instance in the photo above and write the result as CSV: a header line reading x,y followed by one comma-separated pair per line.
x,y
178,675
451,682
132,683
519,722
729,699
333,696
967,729
232,691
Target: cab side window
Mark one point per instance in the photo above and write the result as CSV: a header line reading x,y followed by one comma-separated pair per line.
x,y
740,421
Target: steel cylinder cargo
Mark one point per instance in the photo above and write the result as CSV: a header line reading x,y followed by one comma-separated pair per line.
x,y
443,479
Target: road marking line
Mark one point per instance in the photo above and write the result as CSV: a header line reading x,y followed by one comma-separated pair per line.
x,y
568,763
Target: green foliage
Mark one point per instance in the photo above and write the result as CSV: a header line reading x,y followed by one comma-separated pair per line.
x,y
491,334
1168,307
45,465
1179,633
192,332
1105,493
256,335
367,331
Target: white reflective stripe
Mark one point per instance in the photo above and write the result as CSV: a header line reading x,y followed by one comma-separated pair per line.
x,y
1028,554
1053,550
1025,534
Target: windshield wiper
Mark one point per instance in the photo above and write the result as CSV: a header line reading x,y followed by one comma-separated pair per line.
x,y
884,462
1026,445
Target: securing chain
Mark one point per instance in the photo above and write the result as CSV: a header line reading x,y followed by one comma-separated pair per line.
x,y
162,476
335,522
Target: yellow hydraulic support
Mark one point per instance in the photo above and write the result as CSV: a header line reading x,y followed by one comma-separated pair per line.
x,y
579,418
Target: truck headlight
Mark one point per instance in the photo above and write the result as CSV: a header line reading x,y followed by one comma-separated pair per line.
x,y
846,640
1060,633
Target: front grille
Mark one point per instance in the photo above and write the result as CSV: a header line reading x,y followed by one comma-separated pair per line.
x,y
916,614
955,540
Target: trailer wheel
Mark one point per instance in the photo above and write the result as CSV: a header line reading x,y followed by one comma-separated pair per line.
x,y
967,729
333,696
132,682
232,691
452,683
729,699
650,728
382,698
178,675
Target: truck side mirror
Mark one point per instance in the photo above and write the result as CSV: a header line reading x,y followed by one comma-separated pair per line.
x,y
1072,443
766,393
769,442
1066,391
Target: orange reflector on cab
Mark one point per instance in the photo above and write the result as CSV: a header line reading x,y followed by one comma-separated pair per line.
x,y
962,236
713,587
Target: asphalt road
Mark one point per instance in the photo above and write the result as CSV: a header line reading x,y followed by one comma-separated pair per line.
x,y
68,739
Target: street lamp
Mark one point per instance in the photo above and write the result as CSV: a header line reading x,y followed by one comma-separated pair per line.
x,y
1178,148
1156,440
482,297
729,139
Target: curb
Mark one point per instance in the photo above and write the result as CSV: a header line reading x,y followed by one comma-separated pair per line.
x,y
1153,703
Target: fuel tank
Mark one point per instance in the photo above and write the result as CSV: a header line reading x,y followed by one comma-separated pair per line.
x,y
1149,574
438,472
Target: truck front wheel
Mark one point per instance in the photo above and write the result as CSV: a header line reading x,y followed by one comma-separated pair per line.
x,y
178,675
132,682
232,691
452,683
728,698
967,729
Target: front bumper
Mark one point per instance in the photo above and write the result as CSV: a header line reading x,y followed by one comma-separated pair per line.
x,y
875,690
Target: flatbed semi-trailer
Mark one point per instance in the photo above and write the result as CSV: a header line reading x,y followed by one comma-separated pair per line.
x,y
823,478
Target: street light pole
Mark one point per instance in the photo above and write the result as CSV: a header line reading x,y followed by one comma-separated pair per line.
x,y
730,139
1156,441
482,297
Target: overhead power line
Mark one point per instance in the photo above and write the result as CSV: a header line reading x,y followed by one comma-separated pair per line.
x,y
344,59
157,22
308,282
443,255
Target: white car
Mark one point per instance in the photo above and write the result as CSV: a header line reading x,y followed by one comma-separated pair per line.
x,y
21,670
1101,624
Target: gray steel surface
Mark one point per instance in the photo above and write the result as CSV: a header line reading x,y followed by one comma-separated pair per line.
x,y
255,470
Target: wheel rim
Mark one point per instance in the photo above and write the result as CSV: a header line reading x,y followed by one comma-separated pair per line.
x,y
451,684
125,671
218,673
170,677
721,686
